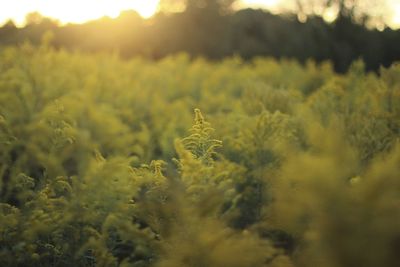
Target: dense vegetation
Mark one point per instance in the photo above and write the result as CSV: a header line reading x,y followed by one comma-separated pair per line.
x,y
211,33
102,164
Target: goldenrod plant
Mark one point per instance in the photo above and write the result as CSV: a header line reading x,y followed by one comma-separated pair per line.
x,y
285,165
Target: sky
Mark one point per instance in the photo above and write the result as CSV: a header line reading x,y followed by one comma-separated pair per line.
x,y
79,11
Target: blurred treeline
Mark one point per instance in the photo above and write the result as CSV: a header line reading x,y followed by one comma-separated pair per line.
x,y
212,29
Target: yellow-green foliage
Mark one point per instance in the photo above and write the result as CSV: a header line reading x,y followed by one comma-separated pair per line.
x,y
101,163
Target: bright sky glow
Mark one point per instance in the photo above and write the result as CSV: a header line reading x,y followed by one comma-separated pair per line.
x,y
79,11
261,3
396,11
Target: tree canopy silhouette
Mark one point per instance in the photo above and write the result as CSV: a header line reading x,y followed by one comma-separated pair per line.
x,y
212,29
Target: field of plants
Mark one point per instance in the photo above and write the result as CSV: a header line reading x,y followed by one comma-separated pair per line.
x,y
190,163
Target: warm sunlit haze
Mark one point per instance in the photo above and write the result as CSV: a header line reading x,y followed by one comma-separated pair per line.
x,y
80,11
75,11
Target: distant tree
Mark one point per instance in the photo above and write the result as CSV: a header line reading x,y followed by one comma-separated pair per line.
x,y
8,32
220,5
9,24
33,18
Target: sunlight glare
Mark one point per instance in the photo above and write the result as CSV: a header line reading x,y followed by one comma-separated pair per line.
x,y
260,3
76,11
396,17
